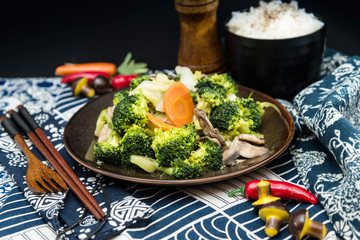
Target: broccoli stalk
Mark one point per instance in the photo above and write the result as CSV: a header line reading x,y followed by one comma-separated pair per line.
x,y
100,122
103,119
150,165
146,163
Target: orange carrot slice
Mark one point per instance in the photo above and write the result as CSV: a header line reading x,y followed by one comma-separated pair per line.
x,y
70,68
158,123
178,104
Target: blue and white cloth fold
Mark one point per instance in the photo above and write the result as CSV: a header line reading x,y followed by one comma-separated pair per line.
x,y
328,156
59,210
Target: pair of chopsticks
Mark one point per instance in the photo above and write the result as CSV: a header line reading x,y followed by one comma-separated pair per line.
x,y
34,132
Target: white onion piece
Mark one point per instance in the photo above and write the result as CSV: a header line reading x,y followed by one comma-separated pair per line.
x,y
187,77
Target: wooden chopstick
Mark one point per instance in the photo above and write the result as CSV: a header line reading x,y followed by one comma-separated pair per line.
x,y
44,145
45,152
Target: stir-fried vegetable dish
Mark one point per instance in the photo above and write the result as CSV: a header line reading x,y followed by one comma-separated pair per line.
x,y
182,126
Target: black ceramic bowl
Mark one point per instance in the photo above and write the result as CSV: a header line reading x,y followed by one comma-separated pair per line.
x,y
279,67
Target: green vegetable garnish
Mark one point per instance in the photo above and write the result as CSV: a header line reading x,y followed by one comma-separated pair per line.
x,y
129,66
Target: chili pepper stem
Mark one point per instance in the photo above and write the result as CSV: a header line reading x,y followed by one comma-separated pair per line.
x,y
238,190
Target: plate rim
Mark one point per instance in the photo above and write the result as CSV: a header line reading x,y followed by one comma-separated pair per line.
x,y
194,181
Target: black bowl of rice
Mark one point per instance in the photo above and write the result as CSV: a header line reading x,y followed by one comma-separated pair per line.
x,y
275,48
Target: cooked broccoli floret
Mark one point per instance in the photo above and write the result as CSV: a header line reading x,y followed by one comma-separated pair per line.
x,y
132,110
184,169
227,82
208,155
108,151
135,142
211,94
176,143
213,91
180,169
137,80
252,110
119,96
239,116
226,116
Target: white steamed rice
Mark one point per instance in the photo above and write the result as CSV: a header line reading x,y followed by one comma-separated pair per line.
x,y
274,20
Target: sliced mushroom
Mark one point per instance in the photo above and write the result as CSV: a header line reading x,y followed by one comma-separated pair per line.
x,y
230,155
103,133
248,150
251,139
208,128
239,148
110,111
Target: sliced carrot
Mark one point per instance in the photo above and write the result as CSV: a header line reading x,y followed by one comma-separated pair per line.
x,y
158,123
70,68
178,104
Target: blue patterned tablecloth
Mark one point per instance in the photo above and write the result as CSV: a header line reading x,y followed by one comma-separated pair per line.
x,y
318,160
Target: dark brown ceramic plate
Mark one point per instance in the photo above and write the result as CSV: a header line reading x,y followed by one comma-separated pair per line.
x,y
79,138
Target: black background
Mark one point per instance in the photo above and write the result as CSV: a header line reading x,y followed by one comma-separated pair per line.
x,y
35,38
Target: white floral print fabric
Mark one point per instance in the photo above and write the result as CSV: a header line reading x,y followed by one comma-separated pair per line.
x,y
328,156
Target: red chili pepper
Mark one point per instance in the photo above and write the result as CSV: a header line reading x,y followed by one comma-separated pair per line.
x,y
284,190
121,81
89,75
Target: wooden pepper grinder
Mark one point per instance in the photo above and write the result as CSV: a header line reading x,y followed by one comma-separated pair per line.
x,y
200,47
